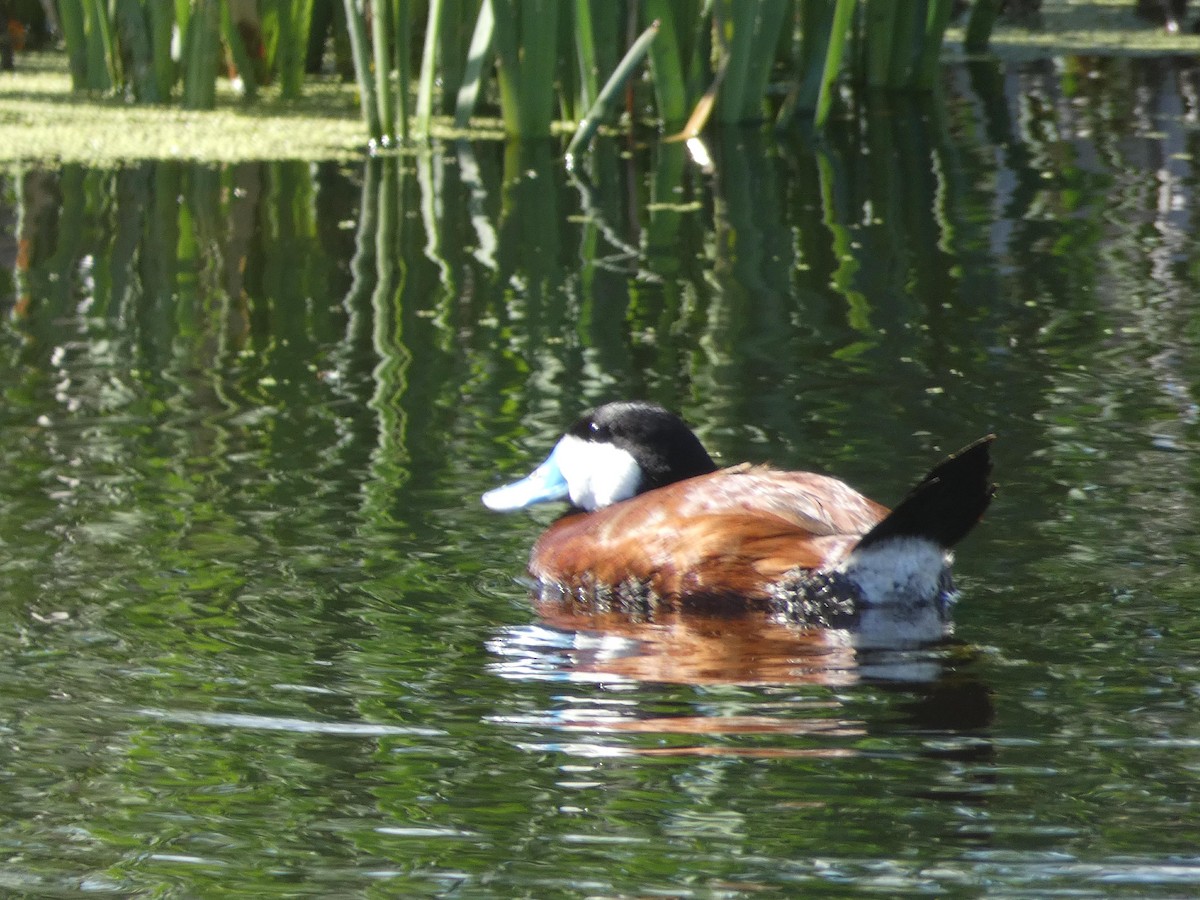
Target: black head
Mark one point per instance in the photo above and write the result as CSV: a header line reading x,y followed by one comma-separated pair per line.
x,y
660,442
612,453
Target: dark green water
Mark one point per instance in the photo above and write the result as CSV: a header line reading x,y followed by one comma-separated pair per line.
x,y
259,638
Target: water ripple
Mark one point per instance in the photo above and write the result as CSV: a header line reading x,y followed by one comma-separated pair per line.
x,y
284,723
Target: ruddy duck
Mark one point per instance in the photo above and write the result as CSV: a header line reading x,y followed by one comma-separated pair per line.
x,y
655,524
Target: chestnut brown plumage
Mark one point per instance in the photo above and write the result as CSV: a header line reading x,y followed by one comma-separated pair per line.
x,y
752,536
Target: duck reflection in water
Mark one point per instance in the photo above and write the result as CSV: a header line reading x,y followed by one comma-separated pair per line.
x,y
657,530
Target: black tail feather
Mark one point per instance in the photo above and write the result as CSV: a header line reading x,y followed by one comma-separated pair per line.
x,y
947,503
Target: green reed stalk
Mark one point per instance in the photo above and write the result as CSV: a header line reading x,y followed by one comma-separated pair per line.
x,y
667,62
71,19
877,41
95,23
698,55
135,39
479,54
751,33
381,37
433,27
607,39
201,54
925,69
368,102
905,34
508,70
294,19
767,37
611,90
980,24
610,28
183,16
540,42
403,40
585,55
816,18
454,33
162,24
102,22
526,37
237,49
843,14
566,72
734,23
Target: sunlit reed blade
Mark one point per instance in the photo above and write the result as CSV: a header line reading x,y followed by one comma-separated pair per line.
x,y
381,58
479,55
428,67
369,103
842,15
585,54
402,23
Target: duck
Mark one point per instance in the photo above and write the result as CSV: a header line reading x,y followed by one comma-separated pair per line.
x,y
653,524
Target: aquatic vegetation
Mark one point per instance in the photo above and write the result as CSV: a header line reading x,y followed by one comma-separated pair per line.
x,y
538,61
541,66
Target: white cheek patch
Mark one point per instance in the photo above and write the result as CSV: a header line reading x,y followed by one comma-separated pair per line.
x,y
597,474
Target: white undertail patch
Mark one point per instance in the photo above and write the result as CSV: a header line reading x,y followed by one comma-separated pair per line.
x,y
903,584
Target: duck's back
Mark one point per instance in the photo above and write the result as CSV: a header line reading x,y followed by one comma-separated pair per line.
x,y
730,534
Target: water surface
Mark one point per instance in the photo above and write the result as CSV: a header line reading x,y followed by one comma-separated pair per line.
x,y
259,637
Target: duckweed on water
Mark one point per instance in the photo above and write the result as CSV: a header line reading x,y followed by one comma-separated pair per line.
x,y
42,119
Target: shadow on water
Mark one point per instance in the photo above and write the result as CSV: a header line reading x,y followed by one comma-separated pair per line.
x,y
248,412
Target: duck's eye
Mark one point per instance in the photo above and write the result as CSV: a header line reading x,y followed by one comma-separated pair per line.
x,y
598,432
